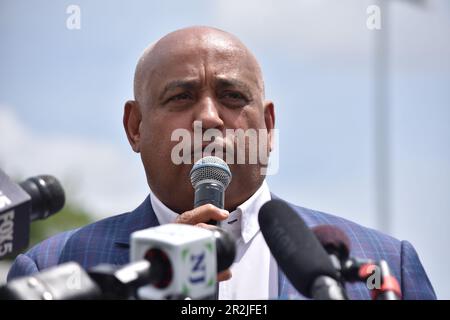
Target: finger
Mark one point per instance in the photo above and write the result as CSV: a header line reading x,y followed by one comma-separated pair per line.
x,y
224,275
201,214
206,226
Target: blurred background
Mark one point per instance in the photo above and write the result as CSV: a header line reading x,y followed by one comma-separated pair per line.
x,y
362,106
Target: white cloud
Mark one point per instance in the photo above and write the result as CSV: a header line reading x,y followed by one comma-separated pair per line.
x,y
100,176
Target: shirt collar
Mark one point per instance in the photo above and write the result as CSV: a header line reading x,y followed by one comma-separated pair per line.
x,y
242,222
249,212
162,212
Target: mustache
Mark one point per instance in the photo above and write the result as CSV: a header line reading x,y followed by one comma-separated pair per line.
x,y
217,145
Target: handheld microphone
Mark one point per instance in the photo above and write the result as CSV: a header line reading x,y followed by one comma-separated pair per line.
x,y
298,252
35,198
186,260
210,177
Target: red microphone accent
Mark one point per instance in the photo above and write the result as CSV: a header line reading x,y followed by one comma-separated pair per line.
x,y
366,270
389,284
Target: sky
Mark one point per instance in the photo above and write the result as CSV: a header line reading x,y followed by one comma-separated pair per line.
x,y
62,93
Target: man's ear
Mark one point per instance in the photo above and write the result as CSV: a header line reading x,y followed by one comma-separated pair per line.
x,y
132,118
269,118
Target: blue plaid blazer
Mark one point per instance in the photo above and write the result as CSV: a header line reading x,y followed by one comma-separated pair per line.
x,y
108,241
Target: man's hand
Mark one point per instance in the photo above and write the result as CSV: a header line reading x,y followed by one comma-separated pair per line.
x,y
198,217
202,214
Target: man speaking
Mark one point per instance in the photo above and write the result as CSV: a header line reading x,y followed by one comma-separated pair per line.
x,y
201,78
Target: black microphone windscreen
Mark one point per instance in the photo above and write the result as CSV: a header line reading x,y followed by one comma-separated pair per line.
x,y
225,247
47,196
334,240
294,246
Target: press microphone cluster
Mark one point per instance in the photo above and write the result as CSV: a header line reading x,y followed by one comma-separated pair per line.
x,y
351,269
189,258
176,261
172,261
317,261
21,203
298,252
168,262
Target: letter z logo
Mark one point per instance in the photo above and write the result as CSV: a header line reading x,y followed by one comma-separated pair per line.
x,y
198,271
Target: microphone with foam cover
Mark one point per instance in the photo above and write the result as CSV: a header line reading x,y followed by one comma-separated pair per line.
x,y
21,203
338,245
351,269
47,196
334,240
298,252
210,177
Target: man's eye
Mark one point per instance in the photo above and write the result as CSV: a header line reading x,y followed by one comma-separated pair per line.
x,y
234,99
180,97
234,96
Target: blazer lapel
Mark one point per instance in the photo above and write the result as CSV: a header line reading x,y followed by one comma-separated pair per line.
x,y
142,217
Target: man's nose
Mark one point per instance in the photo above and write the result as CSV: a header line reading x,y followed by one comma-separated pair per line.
x,y
207,111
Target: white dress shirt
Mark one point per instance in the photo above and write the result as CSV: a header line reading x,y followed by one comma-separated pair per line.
x,y
255,272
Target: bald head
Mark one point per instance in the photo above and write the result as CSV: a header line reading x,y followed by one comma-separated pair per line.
x,y
205,41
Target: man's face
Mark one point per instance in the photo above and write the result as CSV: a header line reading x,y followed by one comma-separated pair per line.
x,y
208,79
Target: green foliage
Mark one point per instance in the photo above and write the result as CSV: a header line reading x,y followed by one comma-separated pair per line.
x,y
70,217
